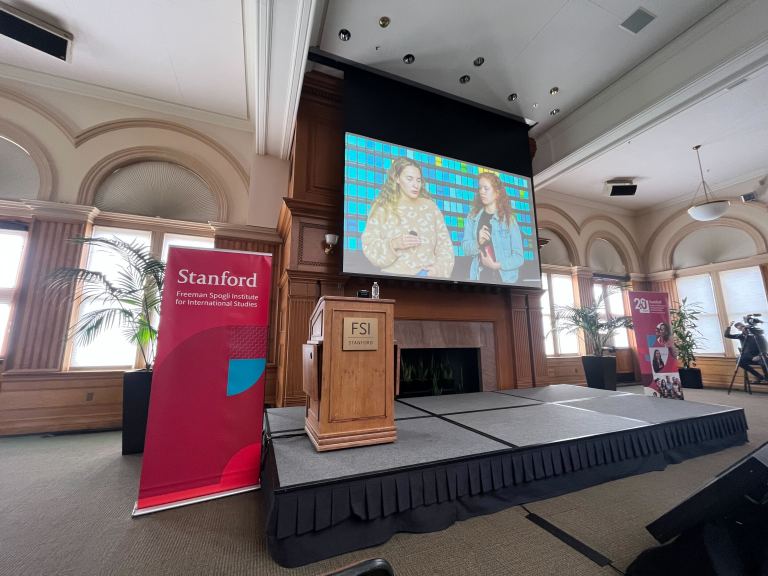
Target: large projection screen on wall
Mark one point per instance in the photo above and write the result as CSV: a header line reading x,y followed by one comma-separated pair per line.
x,y
415,214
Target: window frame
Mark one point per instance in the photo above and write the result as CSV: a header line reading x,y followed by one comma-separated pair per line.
x,y
10,295
158,228
604,282
552,306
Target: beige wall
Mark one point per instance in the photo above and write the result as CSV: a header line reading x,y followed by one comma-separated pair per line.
x,y
76,134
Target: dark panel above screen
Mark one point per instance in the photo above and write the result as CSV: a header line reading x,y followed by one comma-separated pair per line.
x,y
393,111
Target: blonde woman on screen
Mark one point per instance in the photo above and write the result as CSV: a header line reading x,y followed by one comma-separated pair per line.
x,y
491,234
405,233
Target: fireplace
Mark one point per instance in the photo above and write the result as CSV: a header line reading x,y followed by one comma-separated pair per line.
x,y
436,371
451,335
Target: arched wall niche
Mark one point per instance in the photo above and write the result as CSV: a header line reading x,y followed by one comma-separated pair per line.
x,y
560,251
613,231
670,231
738,229
38,156
103,169
604,255
711,245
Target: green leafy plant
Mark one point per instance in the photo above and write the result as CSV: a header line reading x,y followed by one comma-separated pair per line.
x,y
586,322
684,323
130,300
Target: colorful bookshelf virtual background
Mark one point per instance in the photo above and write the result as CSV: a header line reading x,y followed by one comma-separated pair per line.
x,y
451,183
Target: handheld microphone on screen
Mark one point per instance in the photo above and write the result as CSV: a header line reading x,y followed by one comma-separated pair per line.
x,y
414,233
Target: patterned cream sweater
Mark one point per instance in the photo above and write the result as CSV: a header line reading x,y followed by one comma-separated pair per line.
x,y
421,216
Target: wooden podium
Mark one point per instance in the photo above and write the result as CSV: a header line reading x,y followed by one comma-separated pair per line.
x,y
349,373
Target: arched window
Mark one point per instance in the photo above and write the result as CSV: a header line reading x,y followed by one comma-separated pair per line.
x,y
157,188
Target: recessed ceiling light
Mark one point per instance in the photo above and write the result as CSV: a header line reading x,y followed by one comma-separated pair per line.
x,y
464,79
512,97
344,35
409,58
554,90
534,105
384,21
479,61
554,112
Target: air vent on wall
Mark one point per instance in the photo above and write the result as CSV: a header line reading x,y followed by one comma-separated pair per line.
x,y
621,187
35,33
638,20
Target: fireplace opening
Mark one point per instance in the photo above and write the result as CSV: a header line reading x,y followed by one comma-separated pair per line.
x,y
436,371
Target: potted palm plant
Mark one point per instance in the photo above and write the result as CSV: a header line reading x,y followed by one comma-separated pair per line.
x,y
131,300
596,332
684,320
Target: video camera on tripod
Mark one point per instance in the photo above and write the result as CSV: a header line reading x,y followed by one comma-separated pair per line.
x,y
751,321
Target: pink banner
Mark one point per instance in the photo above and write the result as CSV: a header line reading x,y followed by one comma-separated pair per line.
x,y
205,415
655,344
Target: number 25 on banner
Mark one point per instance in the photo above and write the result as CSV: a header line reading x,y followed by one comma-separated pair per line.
x,y
641,305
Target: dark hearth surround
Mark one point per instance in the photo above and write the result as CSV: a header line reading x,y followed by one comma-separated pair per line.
x,y
452,334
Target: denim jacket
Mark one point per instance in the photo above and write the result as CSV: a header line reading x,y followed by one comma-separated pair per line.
x,y
507,245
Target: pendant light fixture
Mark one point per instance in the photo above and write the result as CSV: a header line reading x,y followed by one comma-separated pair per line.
x,y
711,208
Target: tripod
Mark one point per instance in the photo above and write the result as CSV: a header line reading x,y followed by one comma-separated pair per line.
x,y
762,362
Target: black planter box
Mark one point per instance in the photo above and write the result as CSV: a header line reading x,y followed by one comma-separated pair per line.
x,y
690,378
136,387
600,371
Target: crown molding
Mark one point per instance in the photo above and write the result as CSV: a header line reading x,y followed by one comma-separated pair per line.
x,y
61,212
125,98
224,229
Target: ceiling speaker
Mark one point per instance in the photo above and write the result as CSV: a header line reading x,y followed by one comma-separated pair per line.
x,y
35,33
621,187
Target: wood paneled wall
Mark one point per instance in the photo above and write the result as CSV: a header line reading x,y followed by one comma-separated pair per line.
x,y
313,209
35,402
275,249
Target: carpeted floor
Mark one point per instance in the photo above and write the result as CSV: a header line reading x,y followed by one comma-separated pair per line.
x,y
65,505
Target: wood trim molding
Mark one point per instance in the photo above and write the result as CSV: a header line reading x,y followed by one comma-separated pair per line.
x,y
39,155
323,88
304,208
104,167
260,233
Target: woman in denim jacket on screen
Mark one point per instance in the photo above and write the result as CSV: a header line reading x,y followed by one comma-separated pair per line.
x,y
491,234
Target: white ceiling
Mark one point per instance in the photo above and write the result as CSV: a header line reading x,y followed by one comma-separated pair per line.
x,y
529,47
631,105
183,53
732,128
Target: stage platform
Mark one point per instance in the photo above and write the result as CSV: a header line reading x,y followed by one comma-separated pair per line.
x,y
458,456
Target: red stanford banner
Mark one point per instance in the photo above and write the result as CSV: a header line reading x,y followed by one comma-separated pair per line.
x,y
205,415
655,344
